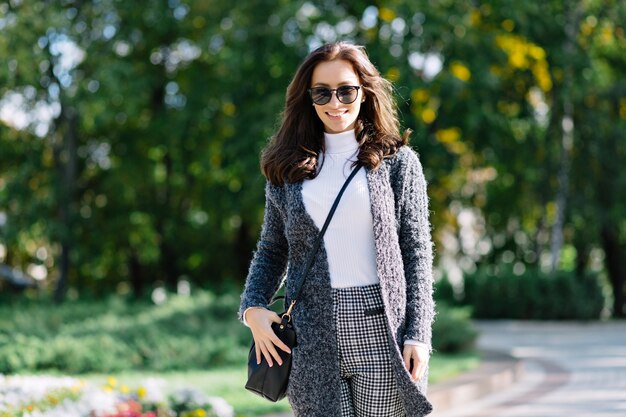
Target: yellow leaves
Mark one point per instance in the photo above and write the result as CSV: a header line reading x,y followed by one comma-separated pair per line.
x,y
474,17
428,115
386,14
449,135
517,59
228,108
450,138
508,25
518,50
420,95
586,29
542,75
460,71
536,52
424,105
393,74
606,34
524,55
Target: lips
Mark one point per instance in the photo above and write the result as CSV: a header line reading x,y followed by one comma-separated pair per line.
x,y
336,115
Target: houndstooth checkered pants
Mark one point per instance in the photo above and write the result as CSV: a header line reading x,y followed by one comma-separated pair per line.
x,y
368,385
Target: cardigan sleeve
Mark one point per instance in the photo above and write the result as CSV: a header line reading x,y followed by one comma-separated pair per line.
x,y
269,261
417,248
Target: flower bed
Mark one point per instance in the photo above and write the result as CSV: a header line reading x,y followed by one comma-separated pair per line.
x,y
44,396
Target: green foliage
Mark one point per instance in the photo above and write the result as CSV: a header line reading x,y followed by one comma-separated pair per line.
x,y
453,331
533,295
184,333
196,332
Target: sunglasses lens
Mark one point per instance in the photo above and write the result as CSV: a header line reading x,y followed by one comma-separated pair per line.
x,y
320,95
347,94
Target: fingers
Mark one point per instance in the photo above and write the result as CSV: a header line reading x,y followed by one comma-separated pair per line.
x,y
257,350
272,350
266,354
280,344
266,341
419,357
270,353
406,355
418,371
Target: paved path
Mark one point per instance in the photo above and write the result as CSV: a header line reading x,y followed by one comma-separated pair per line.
x,y
571,370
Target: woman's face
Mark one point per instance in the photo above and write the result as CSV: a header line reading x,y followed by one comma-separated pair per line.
x,y
337,116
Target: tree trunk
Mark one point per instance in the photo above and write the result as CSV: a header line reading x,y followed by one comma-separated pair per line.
x,y
582,257
567,138
244,246
136,276
614,267
65,161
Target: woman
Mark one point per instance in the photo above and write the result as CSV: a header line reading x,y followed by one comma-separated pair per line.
x,y
363,317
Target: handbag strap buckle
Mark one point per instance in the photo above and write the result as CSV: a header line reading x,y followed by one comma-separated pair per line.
x,y
288,313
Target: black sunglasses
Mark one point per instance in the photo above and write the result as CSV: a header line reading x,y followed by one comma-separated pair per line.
x,y
345,94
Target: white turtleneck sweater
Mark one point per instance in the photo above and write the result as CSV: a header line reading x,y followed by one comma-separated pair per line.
x,y
349,239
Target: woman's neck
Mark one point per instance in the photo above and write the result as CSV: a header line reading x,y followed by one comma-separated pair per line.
x,y
340,142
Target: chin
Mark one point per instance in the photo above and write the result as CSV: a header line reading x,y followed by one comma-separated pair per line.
x,y
338,128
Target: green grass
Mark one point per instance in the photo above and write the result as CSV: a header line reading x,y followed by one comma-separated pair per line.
x,y
446,366
228,382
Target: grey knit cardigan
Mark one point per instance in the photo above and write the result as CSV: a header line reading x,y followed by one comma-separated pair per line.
x,y
399,205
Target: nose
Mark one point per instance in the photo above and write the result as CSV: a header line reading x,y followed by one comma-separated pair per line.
x,y
334,100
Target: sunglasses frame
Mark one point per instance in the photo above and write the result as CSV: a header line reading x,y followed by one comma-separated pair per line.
x,y
336,91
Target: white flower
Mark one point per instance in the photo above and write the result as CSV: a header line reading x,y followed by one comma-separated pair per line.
x,y
221,407
190,396
17,391
155,390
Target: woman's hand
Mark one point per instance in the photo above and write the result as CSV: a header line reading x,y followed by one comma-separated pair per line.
x,y
420,357
265,340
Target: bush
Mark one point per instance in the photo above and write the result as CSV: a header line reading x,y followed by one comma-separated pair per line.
x,y
107,336
114,335
452,330
534,295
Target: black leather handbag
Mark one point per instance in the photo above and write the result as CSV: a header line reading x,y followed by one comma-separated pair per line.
x,y
271,382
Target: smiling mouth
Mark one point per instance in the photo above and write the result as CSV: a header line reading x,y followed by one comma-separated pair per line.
x,y
336,115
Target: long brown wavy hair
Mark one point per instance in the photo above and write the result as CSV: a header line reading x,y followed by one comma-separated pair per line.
x,y
292,152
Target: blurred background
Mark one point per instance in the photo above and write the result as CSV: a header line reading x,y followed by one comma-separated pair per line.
x,y
130,188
